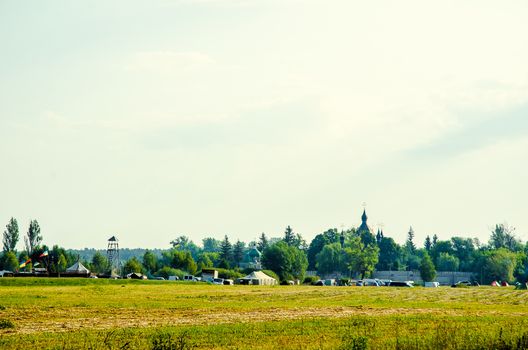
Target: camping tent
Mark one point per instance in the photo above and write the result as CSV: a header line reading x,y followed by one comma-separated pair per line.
x,y
257,278
77,269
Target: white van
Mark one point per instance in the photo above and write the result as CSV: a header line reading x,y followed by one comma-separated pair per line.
x,y
432,284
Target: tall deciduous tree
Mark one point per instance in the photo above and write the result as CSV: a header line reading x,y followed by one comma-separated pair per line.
x,y
286,261
330,259
447,262
10,261
132,265
100,263
317,244
503,236
360,258
210,245
389,254
33,237
11,236
150,261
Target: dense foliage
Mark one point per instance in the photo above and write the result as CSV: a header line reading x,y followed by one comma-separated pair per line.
x,y
352,253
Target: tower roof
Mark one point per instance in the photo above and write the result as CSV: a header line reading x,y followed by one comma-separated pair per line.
x,y
364,226
112,239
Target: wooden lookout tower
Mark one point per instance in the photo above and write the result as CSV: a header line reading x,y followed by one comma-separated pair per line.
x,y
112,253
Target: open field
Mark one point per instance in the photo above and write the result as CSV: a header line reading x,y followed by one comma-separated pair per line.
x,y
107,314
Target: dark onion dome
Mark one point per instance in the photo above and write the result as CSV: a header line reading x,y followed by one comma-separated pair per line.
x,y
364,226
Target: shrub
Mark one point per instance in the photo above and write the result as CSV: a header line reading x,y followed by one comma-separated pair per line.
x,y
169,341
6,324
229,274
167,271
311,279
357,342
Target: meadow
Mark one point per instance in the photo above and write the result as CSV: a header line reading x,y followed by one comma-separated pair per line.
x,y
130,314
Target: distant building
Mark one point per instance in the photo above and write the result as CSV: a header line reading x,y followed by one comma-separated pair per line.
x,y
252,259
209,274
364,226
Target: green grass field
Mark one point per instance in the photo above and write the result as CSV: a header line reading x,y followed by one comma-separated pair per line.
x,y
108,314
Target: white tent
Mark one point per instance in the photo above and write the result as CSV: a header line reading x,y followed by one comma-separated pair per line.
x,y
258,278
78,268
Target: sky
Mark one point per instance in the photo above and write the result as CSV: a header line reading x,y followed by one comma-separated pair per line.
x,y
154,119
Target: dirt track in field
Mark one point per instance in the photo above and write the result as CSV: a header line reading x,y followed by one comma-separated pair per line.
x,y
79,318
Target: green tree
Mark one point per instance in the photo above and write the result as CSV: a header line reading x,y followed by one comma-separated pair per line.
x,y
289,236
360,258
330,259
99,263
428,244
226,252
33,237
463,249
132,265
210,245
409,244
10,261
62,264
447,262
238,252
316,245
183,243
150,261
389,254
441,247
427,269
263,242
204,261
503,236
11,236
499,265
286,261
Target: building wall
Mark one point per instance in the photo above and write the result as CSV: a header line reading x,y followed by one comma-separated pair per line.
x,y
444,277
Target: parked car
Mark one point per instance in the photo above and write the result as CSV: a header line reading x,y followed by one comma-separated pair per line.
x,y
173,278
371,283
191,278
219,281
159,278
431,284
407,284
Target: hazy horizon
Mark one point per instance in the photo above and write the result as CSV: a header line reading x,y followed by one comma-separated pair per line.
x,y
208,118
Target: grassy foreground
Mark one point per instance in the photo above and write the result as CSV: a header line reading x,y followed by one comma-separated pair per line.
x,y
106,314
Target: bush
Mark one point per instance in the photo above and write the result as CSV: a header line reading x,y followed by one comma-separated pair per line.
x,y
167,271
311,279
169,341
6,324
229,274
344,281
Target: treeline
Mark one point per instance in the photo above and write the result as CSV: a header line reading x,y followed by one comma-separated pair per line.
x,y
355,252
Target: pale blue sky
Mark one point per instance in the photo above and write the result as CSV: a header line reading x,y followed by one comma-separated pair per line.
x,y
149,120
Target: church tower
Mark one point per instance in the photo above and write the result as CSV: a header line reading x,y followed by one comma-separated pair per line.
x,y
364,226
